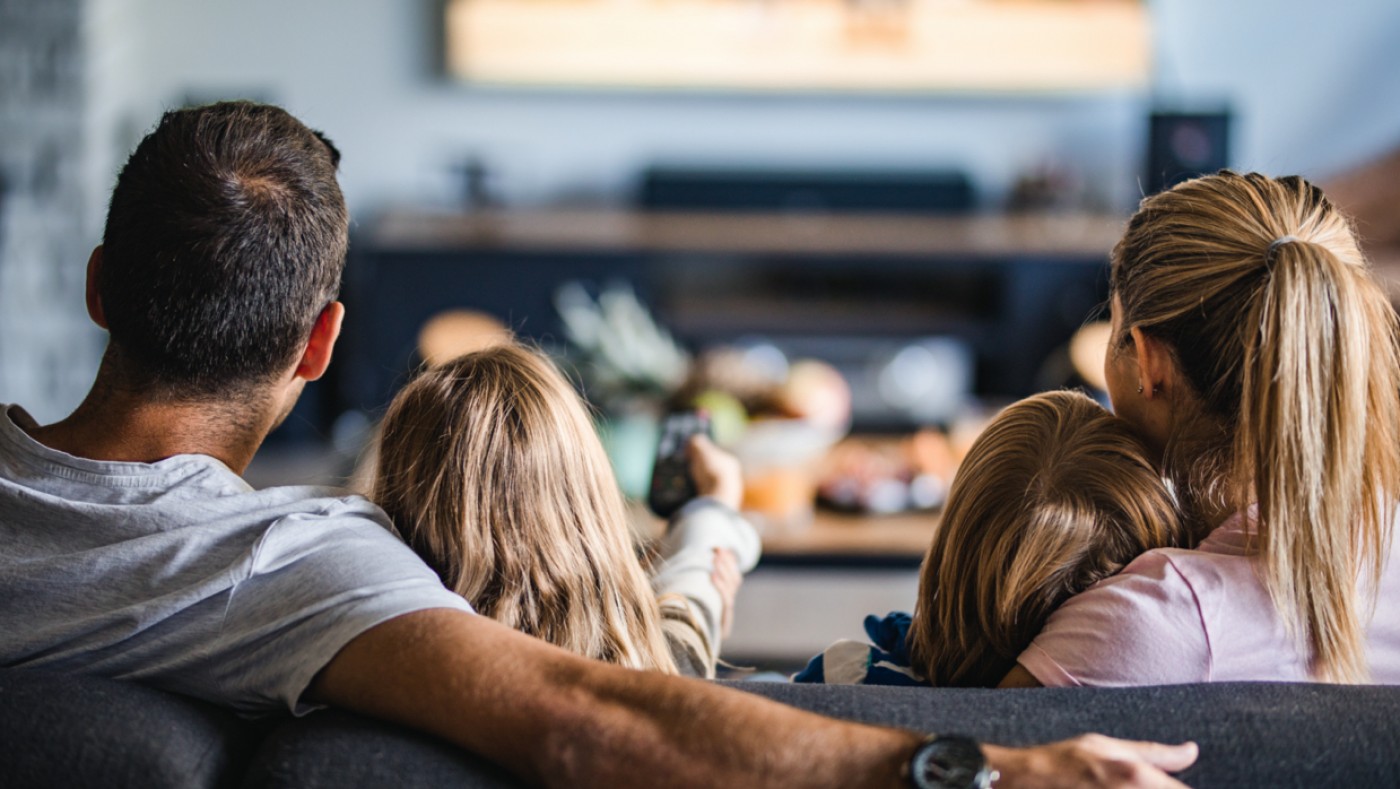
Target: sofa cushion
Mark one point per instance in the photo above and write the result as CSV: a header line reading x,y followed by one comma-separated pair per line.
x,y
1251,734
335,750
73,731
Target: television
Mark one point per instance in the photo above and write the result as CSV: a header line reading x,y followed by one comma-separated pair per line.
x,y
883,46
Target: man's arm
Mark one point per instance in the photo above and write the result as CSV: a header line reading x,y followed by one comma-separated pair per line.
x,y
560,720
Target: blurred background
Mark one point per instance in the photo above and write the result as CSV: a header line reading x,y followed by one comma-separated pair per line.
x,y
847,228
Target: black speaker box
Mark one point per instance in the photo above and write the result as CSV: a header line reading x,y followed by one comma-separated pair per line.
x,y
1183,145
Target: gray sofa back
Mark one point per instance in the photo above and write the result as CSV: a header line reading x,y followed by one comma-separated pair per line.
x,y
84,731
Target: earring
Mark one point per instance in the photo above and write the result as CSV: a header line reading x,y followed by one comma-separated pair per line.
x,y
1139,388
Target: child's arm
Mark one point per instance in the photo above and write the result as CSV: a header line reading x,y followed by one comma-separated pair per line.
x,y
693,595
727,578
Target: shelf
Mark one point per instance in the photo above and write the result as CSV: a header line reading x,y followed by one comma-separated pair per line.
x,y
1038,235
833,539
862,539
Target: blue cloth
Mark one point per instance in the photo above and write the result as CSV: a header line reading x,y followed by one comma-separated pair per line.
x,y
885,661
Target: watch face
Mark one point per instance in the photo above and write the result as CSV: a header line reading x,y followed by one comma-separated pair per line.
x,y
950,762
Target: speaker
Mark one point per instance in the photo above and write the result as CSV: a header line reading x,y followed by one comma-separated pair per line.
x,y
1183,145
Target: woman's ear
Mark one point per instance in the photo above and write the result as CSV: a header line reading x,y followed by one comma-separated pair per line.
x,y
1156,366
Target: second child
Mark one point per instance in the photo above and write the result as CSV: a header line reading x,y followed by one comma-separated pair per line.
x,y
492,471
1055,495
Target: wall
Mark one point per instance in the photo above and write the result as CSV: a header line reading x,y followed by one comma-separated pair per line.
x,y
371,85
1315,86
1314,93
46,222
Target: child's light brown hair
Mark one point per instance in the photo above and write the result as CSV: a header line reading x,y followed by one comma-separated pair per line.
x,y
491,470
1056,494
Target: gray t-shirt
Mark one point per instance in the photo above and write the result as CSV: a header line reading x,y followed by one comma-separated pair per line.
x,y
180,575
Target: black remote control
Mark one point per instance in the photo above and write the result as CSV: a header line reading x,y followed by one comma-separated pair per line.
x,y
671,483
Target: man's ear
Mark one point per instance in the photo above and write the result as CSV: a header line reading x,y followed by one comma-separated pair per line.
x,y
94,299
1157,373
317,356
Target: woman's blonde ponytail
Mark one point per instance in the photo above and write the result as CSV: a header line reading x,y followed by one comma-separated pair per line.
x,y
1300,448
1290,348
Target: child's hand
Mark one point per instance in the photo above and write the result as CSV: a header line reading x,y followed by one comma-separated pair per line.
x,y
717,473
727,579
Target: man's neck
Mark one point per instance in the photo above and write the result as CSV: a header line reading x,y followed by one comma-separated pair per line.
x,y
117,425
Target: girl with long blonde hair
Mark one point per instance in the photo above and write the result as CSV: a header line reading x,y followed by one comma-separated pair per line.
x,y
490,468
1256,353
1055,495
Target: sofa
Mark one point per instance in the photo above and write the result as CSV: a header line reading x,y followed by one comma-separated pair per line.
x,y
70,731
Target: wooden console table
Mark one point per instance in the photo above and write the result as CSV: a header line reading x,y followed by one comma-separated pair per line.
x,y
837,538
834,539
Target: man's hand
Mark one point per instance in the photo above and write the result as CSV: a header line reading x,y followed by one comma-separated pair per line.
x,y
1090,760
717,473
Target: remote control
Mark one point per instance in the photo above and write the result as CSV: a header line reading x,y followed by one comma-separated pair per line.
x,y
671,483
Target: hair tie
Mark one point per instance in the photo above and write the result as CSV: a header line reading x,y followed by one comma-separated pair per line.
x,y
1281,240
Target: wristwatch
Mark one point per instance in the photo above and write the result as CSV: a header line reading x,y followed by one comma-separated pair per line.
x,y
950,761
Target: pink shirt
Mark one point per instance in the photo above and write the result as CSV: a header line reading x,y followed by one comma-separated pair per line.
x,y
1177,616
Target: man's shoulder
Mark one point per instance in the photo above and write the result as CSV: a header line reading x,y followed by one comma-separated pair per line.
x,y
312,501
273,581
319,520
52,501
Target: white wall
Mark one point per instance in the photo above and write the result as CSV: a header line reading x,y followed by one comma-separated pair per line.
x,y
1314,93
46,342
1314,87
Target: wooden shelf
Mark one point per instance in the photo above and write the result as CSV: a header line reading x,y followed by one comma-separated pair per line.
x,y
901,537
1070,235
832,537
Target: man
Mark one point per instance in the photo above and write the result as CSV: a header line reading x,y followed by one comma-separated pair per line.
x,y
134,550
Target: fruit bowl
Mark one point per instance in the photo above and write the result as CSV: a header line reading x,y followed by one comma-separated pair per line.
x,y
780,459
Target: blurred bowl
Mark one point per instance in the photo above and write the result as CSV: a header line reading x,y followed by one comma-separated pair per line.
x,y
780,459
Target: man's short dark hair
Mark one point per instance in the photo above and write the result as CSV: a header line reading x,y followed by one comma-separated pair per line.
x,y
225,238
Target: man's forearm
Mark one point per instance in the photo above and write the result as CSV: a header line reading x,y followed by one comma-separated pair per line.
x,y
635,727
557,719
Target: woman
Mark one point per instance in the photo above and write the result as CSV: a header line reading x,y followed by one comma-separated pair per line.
x,y
1257,356
1056,494
490,468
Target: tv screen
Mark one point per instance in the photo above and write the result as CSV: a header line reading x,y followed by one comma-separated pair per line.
x,y
802,45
